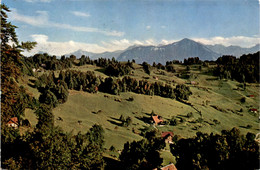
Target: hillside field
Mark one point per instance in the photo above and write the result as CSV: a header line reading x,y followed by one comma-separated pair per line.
x,y
215,106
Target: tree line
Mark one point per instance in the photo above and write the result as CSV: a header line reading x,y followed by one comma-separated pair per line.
x,y
243,69
228,150
89,82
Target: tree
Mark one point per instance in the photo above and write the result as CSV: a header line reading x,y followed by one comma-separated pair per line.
x,y
146,67
49,98
229,150
92,157
143,154
182,92
10,64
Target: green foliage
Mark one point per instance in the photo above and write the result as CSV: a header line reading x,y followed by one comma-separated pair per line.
x,y
192,60
243,100
110,86
112,148
51,148
118,69
49,98
174,121
229,150
244,69
11,95
189,115
182,92
143,154
45,117
146,67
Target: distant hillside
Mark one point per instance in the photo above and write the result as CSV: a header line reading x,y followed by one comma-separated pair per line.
x,y
233,50
176,51
110,55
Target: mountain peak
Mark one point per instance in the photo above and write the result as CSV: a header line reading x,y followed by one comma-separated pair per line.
x,y
186,40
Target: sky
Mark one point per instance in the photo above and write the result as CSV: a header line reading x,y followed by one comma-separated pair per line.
x,y
64,26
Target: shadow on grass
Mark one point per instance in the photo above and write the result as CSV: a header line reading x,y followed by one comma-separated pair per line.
x,y
115,118
31,85
115,123
144,119
112,163
101,70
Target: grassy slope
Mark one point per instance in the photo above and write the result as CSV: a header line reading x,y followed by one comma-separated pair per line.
x,y
82,106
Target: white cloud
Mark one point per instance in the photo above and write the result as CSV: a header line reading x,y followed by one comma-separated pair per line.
x,y
165,42
235,40
80,14
40,38
148,27
42,20
163,26
61,48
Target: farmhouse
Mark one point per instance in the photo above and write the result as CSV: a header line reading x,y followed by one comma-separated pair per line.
x,y
167,136
194,83
169,167
13,122
157,119
253,110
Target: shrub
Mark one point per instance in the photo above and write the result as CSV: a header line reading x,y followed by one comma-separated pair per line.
x,y
112,148
243,100
249,126
189,115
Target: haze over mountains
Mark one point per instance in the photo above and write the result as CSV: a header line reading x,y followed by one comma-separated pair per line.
x,y
176,51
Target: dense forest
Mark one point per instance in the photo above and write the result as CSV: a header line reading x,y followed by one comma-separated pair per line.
x,y
47,146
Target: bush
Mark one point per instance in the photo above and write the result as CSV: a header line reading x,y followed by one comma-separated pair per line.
x,y
112,148
249,126
146,67
243,100
189,115
216,121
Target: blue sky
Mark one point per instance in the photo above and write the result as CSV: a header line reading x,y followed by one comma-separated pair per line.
x,y
64,26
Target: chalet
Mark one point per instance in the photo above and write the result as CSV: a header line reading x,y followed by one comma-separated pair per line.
x,y
194,83
13,122
39,70
167,136
253,110
157,119
155,77
169,167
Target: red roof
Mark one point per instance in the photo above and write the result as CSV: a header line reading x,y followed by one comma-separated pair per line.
x,y
13,120
253,110
156,119
169,167
164,134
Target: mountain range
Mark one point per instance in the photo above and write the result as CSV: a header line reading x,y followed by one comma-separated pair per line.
x,y
180,50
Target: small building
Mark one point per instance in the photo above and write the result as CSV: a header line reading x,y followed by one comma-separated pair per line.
x,y
155,77
251,95
194,83
253,110
13,122
169,167
167,136
34,70
157,119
